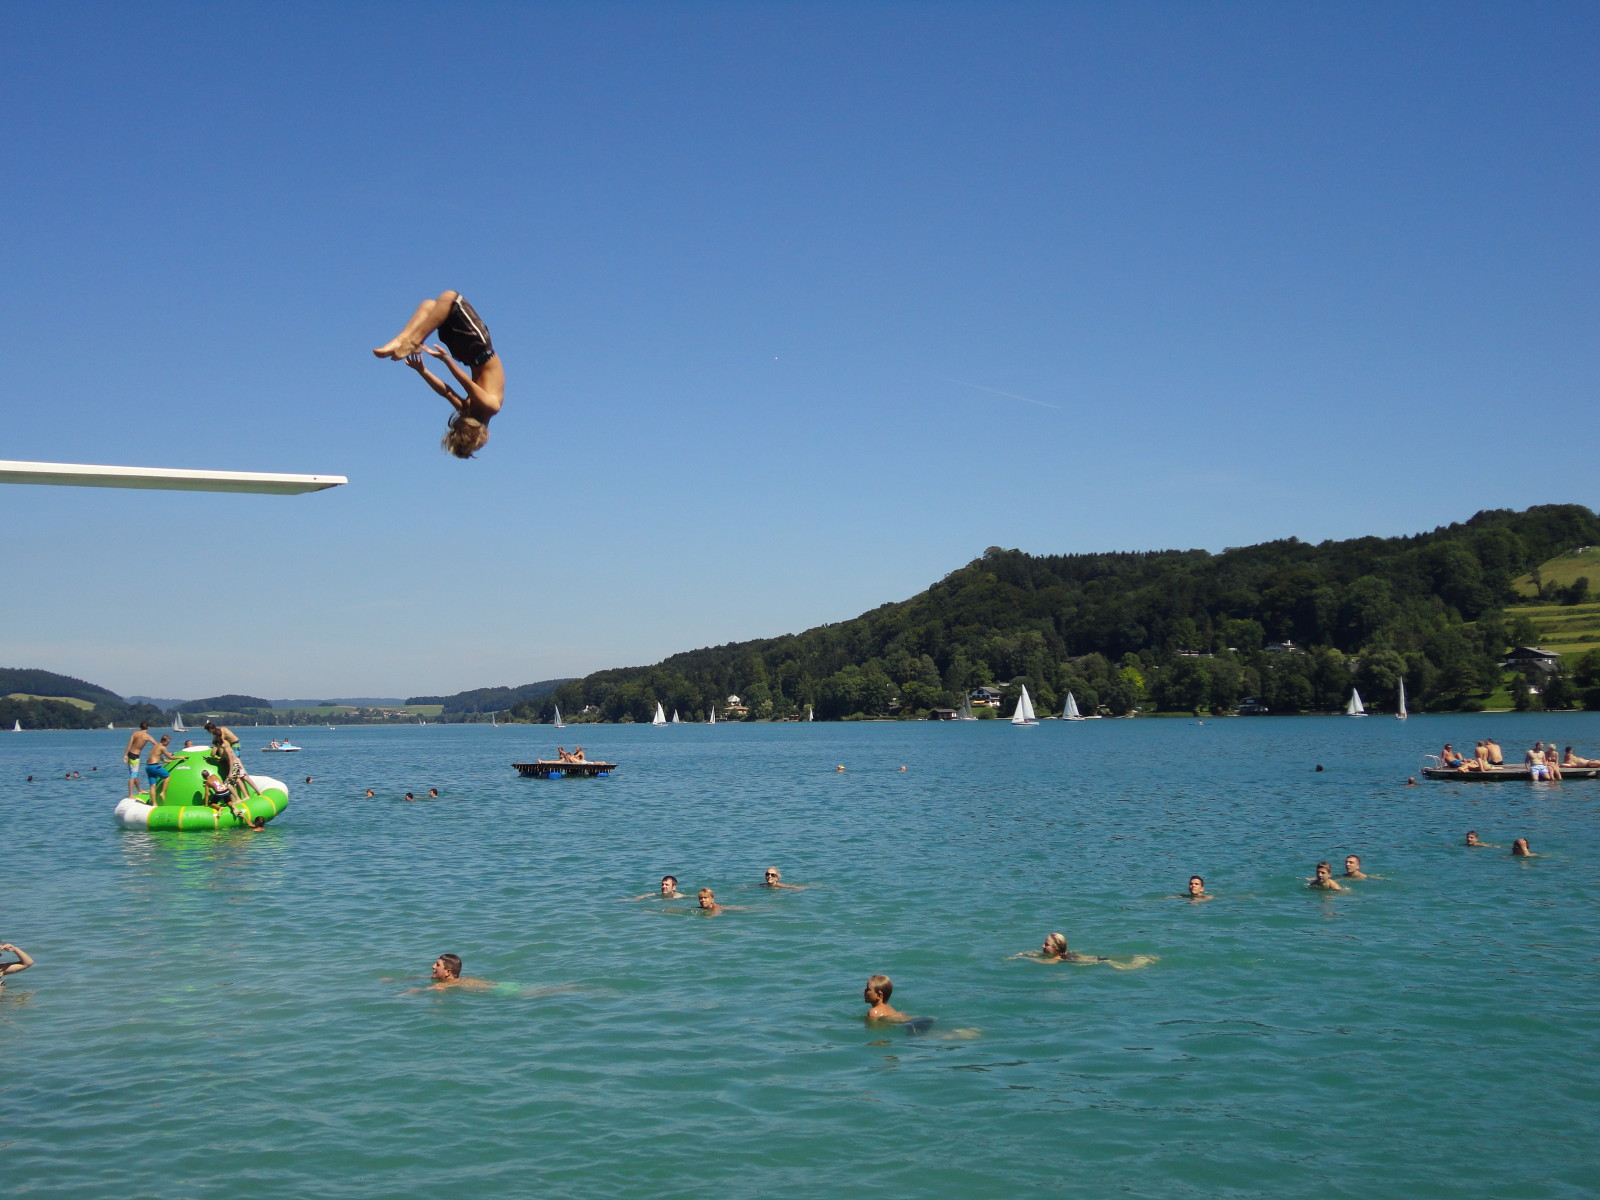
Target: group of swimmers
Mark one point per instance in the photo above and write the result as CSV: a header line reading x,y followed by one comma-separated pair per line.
x,y
1542,760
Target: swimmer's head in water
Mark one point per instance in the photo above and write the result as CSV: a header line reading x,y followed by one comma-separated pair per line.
x,y
707,898
467,435
1472,837
1352,862
1324,870
1520,847
1056,944
447,966
773,875
669,884
878,990
1197,886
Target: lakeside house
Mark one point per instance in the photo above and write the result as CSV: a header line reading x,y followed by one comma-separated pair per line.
x,y
734,710
985,697
942,714
1523,657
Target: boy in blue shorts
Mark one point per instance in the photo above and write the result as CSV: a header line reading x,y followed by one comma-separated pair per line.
x,y
157,774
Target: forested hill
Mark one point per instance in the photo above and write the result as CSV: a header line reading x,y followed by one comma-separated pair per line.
x,y
1168,630
44,700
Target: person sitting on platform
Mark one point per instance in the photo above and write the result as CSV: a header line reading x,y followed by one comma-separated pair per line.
x,y
462,330
577,755
1534,761
1552,761
1569,759
1449,758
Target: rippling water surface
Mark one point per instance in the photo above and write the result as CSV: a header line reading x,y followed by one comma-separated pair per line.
x,y
218,1015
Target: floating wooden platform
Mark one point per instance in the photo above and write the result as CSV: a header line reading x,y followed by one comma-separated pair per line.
x,y
544,768
1504,774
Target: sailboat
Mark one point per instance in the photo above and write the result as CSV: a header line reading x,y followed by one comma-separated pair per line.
x,y
16,727
966,710
1024,713
1071,713
661,717
1400,711
713,719
809,714
494,724
1355,708
179,727
560,724
675,720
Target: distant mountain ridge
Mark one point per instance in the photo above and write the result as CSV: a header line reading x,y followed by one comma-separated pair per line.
x,y
493,699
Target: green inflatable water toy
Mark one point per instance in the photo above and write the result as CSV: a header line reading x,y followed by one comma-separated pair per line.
x,y
183,802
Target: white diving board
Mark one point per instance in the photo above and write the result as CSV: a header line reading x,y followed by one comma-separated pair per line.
x,y
165,478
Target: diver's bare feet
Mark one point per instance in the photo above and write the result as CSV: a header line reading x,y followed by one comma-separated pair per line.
x,y
401,347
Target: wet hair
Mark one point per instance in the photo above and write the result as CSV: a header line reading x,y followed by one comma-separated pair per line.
x,y
1057,943
1520,847
1193,878
165,738
706,893
674,879
144,724
883,985
452,964
1322,866
466,436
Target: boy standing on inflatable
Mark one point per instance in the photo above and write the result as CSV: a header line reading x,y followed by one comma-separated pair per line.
x,y
461,329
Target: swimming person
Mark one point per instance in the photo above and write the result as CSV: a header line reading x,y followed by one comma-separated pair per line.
x,y
1519,849
1056,950
136,744
669,890
1472,840
773,878
21,963
447,974
462,330
1352,867
1197,891
876,995
707,899
1324,879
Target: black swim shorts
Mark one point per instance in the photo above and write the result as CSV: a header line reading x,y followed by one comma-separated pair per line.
x,y
466,336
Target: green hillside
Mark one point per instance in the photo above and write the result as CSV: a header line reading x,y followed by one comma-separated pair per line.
x,y
45,700
1291,624
1561,571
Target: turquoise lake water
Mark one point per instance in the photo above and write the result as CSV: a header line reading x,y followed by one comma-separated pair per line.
x,y
221,1015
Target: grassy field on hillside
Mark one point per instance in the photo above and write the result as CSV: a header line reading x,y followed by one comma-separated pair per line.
x,y
1563,570
73,700
1561,629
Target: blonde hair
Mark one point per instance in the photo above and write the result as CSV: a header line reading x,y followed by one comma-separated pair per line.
x,y
1057,943
883,985
465,436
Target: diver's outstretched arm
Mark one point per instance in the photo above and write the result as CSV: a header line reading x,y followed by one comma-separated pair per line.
x,y
414,361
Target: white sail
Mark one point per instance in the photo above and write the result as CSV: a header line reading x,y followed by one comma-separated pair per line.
x,y
16,727
560,724
661,717
675,720
493,722
1355,708
966,710
809,716
1024,713
1071,713
1400,711
713,719
179,727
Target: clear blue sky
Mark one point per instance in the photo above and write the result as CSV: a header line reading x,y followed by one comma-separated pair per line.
x,y
802,306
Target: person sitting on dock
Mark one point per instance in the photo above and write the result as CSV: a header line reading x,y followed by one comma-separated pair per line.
x,y
1324,879
563,754
1480,755
1552,761
1519,849
773,878
1496,758
1534,761
155,772
21,963
1472,840
462,330
1449,758
577,755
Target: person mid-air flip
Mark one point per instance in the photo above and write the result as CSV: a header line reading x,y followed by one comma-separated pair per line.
x,y
462,330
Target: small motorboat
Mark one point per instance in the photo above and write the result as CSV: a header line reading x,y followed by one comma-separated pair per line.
x,y
278,747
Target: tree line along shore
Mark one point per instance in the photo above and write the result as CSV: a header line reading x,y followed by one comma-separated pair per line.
x,y
1282,627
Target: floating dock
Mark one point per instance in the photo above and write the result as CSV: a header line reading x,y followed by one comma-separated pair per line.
x,y
555,769
1504,774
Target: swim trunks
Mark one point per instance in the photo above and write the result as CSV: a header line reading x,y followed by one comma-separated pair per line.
x,y
133,766
466,336
156,771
